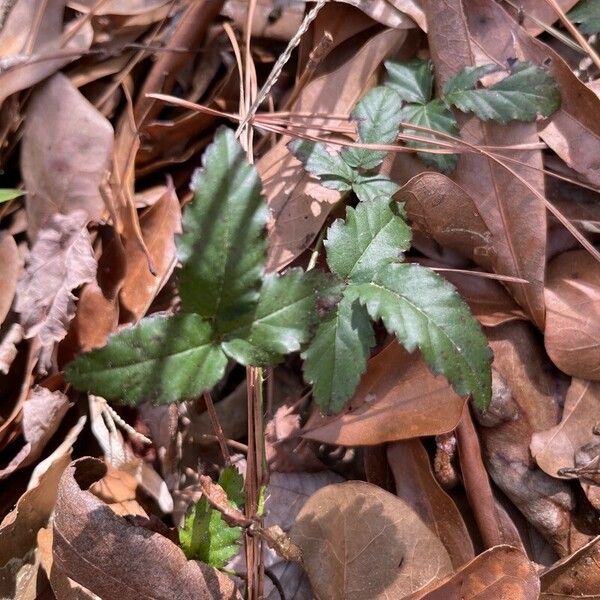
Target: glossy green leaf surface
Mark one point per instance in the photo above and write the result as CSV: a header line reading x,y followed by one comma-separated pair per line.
x,y
283,320
337,355
372,236
377,117
424,311
161,359
526,92
412,80
223,245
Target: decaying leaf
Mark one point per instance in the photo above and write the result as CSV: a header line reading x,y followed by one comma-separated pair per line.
x,y
61,260
572,332
10,268
359,541
119,561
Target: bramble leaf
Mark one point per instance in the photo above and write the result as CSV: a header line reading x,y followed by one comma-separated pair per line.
x,y
223,245
587,14
372,236
437,116
377,117
323,163
337,355
423,310
283,320
8,194
522,95
369,187
161,359
205,536
412,80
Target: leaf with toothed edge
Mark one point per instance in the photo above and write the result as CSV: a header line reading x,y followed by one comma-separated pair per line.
x,y
412,80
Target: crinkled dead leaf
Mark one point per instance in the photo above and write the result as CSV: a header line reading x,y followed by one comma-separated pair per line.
x,y
502,572
417,486
572,332
65,154
359,541
398,398
117,7
43,412
60,261
10,268
391,13
557,448
8,346
119,561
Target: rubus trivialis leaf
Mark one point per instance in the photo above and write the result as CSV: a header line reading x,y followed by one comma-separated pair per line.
x,y
323,163
282,321
423,310
369,187
434,115
161,359
587,15
373,235
337,355
526,92
205,536
377,119
412,80
223,246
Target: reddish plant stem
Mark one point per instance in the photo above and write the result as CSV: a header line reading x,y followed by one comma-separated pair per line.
x,y
216,425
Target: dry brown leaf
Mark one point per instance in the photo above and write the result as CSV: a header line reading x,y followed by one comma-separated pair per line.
x,y
61,260
28,61
577,576
8,346
65,154
556,448
359,541
386,12
526,395
573,131
43,412
513,214
500,573
10,268
299,205
416,485
159,225
398,398
118,490
117,7
119,561
572,333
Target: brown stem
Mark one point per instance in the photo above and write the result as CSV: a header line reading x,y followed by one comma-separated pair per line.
x,y
216,425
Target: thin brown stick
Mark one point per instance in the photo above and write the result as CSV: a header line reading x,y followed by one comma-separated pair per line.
x,y
476,482
216,425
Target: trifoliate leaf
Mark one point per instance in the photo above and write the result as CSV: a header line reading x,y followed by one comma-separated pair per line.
x,y
372,236
8,194
337,355
377,117
423,310
437,116
205,536
412,80
587,15
323,163
223,243
522,95
369,187
282,321
161,359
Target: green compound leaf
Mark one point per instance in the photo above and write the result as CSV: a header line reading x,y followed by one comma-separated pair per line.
x,y
337,355
283,320
587,15
412,80
223,245
205,536
373,235
423,310
522,95
161,359
437,116
369,187
377,118
327,165
8,194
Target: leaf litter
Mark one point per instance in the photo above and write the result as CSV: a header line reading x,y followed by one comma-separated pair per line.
x,y
283,295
